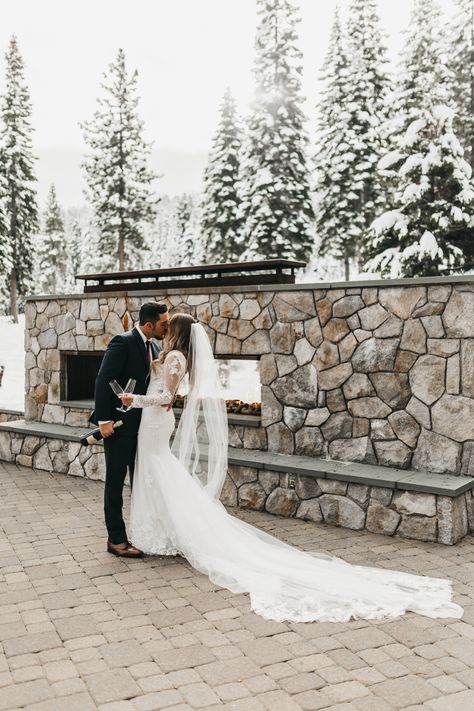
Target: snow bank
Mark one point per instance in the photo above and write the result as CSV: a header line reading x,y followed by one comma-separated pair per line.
x,y
12,357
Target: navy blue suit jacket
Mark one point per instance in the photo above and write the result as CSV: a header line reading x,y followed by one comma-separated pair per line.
x,y
124,358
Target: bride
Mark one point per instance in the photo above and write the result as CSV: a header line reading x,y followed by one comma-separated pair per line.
x,y
175,509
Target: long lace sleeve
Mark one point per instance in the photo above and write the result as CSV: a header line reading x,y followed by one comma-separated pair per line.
x,y
174,370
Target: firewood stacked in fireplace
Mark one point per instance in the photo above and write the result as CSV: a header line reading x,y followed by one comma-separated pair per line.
x,y
235,407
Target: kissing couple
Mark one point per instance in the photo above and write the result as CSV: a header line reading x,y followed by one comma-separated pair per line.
x,y
175,506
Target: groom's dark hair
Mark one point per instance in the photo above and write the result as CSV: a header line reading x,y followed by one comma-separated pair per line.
x,y
151,312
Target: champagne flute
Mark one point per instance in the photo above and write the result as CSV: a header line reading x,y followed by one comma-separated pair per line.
x,y
118,390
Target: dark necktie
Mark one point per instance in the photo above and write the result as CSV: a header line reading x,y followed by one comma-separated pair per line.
x,y
149,353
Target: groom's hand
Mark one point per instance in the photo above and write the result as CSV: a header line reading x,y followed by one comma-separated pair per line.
x,y
106,429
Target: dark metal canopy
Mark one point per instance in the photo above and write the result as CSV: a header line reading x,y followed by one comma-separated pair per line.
x,y
268,271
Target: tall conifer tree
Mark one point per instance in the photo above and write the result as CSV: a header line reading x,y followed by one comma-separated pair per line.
x,y
333,157
461,53
52,257
221,221
424,77
430,231
117,173
17,177
277,207
185,230
367,107
74,240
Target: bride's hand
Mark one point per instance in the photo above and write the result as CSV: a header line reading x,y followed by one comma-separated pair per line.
x,y
126,398
168,406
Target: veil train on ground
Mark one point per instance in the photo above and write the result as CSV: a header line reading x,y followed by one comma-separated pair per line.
x,y
176,510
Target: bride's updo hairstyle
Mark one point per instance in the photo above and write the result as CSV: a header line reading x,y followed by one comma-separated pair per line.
x,y
179,335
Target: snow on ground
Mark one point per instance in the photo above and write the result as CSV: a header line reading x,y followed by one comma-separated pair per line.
x,y
12,357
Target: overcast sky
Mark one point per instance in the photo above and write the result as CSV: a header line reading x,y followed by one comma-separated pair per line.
x,y
186,53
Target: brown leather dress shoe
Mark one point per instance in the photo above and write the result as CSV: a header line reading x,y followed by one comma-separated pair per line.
x,y
125,550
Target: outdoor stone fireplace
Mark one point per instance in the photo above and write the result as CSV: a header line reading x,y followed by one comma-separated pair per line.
x,y
78,371
379,373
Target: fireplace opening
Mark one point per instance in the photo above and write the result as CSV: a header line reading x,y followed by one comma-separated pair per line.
x,y
78,373
240,380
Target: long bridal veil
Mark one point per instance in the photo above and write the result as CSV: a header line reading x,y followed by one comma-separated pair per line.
x,y
201,439
284,582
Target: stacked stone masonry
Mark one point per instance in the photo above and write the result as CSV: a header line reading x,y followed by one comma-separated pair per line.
x,y
409,514
53,455
10,415
381,375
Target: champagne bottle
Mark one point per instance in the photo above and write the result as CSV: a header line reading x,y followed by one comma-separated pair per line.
x,y
94,436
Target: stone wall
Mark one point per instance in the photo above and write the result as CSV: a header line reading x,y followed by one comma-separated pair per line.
x,y
379,373
10,415
53,455
410,514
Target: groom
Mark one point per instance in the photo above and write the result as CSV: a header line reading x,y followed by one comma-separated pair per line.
x,y
129,355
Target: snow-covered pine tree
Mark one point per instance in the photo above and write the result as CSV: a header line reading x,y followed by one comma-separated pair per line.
x,y
220,217
367,107
174,239
183,236
424,78
93,259
74,240
277,206
51,253
117,173
6,262
421,82
158,239
17,177
333,156
199,254
430,231
184,230
461,54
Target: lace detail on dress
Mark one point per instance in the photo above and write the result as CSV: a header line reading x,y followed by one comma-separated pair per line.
x,y
164,382
147,537
150,525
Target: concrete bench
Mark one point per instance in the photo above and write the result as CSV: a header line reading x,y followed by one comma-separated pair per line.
x,y
419,505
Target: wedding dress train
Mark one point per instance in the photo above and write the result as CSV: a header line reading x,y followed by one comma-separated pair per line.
x,y
172,512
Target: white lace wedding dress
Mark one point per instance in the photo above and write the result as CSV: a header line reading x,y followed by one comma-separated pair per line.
x,y
171,512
